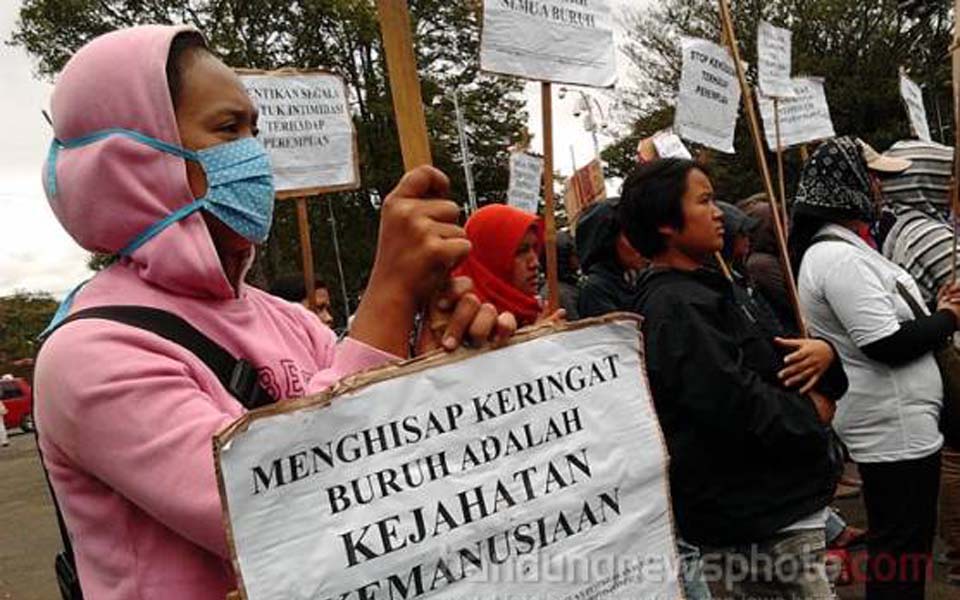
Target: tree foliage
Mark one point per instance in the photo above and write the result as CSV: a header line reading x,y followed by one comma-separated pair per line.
x,y
343,36
856,46
23,316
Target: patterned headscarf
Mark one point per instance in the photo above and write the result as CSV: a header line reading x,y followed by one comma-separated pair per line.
x,y
835,183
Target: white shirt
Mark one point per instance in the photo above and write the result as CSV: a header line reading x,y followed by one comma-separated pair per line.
x,y
848,296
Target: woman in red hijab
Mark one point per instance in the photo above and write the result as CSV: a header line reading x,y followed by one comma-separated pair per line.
x,y
504,263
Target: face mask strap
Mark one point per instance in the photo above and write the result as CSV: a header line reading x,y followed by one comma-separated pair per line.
x,y
181,213
96,136
51,174
63,310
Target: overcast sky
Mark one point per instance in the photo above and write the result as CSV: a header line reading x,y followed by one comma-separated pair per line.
x,y
37,255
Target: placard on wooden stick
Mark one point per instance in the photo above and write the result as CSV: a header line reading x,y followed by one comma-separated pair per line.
x,y
730,39
912,96
560,42
709,97
551,43
536,468
306,125
774,69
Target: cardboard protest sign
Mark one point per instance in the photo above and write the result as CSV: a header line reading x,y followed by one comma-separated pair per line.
x,y
669,145
584,187
709,98
526,174
773,60
306,126
913,99
550,40
804,117
539,467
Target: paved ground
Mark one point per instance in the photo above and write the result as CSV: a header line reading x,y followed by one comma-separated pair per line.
x,y
28,531
29,538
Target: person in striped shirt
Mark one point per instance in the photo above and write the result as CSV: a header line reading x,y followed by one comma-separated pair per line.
x,y
921,241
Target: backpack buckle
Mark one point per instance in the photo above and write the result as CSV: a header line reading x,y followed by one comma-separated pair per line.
x,y
244,386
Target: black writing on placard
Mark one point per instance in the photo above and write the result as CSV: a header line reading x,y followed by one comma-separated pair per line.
x,y
568,12
773,51
522,421
801,107
296,116
715,78
526,173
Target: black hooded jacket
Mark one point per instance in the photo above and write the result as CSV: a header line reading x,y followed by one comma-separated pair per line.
x,y
606,286
747,456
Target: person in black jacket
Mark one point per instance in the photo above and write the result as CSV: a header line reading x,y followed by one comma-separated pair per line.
x,y
752,465
608,261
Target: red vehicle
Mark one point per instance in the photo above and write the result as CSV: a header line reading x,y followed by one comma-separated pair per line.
x,y
17,397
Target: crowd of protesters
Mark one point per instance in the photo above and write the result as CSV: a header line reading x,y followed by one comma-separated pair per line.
x,y
759,422
760,410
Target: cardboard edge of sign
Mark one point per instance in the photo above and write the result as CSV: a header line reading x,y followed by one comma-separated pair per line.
x,y
354,183
437,358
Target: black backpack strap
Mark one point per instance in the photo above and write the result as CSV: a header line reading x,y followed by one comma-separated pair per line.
x,y
64,564
237,376
911,301
909,298
831,237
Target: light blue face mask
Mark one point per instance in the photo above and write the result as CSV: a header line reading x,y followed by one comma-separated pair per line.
x,y
240,189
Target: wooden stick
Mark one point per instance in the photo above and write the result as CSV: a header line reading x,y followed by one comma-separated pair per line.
x,y
549,220
404,82
955,180
303,224
723,266
731,39
780,177
411,123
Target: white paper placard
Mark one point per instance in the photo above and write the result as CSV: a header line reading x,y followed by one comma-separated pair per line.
x,y
773,60
709,98
804,117
913,98
306,126
536,468
526,175
564,41
669,145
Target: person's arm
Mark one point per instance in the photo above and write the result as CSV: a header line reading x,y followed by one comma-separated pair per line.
x,y
813,364
867,311
133,415
913,339
700,368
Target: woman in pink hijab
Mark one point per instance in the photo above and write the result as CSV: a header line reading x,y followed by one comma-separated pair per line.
x,y
154,160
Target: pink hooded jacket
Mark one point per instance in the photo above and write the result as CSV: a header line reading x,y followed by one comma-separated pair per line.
x,y
125,417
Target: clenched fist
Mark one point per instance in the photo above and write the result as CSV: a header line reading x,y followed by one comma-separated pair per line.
x,y
419,244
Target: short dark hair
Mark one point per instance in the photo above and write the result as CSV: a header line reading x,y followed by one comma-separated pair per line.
x,y
183,45
651,197
292,287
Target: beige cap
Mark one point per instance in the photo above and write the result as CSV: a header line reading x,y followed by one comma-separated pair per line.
x,y
880,163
